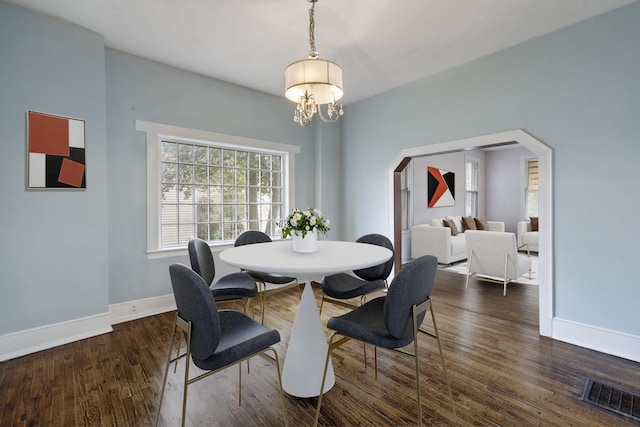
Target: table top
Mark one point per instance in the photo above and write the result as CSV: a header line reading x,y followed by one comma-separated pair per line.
x,y
331,257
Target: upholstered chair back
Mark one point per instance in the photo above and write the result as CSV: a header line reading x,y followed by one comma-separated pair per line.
x,y
250,237
411,286
196,305
490,249
381,271
201,259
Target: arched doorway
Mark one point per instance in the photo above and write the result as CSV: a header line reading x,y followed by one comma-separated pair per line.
x,y
544,154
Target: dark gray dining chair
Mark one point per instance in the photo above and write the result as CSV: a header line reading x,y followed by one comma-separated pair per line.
x,y
216,339
269,283
392,321
343,286
231,287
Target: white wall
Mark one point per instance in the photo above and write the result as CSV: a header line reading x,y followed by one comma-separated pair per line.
x,y
505,181
452,162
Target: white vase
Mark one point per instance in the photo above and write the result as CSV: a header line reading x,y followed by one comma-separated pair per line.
x,y
306,244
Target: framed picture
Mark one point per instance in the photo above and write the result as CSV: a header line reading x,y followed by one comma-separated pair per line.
x,y
55,152
440,188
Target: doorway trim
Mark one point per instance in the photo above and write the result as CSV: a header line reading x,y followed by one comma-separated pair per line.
x,y
545,201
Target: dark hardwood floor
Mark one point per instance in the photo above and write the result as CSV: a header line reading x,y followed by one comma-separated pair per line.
x,y
502,374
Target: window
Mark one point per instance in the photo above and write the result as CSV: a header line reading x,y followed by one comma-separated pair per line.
x,y
406,202
212,186
216,193
531,188
471,188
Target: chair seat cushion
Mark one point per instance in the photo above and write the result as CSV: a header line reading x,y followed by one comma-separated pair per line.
x,y
344,286
234,285
366,323
240,336
276,279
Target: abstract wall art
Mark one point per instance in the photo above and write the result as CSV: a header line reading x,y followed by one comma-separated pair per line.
x,y
56,152
440,188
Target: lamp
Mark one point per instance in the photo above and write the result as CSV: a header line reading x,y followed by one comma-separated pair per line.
x,y
314,82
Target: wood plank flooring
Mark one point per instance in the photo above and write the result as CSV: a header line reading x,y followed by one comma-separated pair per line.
x,y
502,374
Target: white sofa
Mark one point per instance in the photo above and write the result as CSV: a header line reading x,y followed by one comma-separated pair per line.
x,y
526,236
436,239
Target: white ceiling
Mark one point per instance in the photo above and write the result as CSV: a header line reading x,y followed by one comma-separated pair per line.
x,y
380,44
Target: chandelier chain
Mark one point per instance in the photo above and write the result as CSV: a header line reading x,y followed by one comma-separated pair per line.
x,y
314,84
312,41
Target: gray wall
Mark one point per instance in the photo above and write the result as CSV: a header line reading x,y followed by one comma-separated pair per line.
x,y
54,259
577,91
140,89
68,255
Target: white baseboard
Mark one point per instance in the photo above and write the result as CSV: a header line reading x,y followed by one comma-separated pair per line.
x,y
132,310
603,340
20,343
29,341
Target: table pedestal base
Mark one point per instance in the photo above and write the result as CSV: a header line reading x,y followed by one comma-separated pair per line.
x,y
307,352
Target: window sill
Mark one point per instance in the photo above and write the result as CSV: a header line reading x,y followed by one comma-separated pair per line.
x,y
178,251
182,250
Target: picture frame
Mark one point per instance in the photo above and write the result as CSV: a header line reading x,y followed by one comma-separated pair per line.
x,y
56,152
440,188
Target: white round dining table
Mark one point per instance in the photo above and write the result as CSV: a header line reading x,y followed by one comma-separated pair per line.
x,y
307,348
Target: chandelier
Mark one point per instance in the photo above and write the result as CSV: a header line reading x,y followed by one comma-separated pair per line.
x,y
313,83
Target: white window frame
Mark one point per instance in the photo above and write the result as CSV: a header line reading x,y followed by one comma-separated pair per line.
x,y
156,132
525,184
407,196
467,192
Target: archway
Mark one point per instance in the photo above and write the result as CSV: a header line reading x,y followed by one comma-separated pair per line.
x,y
545,200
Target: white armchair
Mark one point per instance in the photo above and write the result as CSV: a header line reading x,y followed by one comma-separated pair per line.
x,y
493,255
436,239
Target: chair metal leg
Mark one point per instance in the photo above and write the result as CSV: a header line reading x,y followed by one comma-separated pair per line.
x,y
444,365
240,382
277,362
166,371
175,366
186,369
417,363
506,270
466,284
324,377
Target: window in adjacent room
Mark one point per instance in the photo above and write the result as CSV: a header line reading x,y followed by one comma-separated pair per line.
x,y
406,202
531,188
471,188
212,186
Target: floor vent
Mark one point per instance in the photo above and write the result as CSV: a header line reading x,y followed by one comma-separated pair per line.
x,y
612,398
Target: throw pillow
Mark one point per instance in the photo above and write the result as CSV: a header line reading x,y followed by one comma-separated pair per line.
x,y
481,224
457,220
452,225
534,223
436,222
469,223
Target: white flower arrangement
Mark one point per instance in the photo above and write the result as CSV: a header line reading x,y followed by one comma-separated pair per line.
x,y
306,221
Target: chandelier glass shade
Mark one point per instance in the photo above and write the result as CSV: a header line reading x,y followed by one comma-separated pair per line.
x,y
313,83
